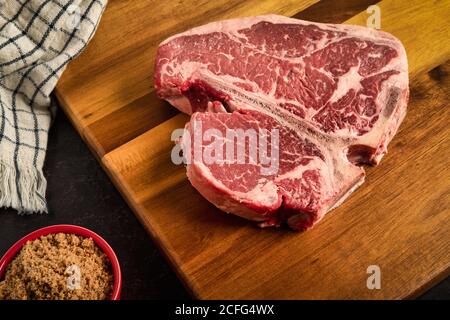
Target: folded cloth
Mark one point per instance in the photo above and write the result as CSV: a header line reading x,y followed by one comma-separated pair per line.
x,y
38,38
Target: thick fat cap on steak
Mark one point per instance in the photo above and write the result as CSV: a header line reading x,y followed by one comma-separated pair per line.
x,y
346,86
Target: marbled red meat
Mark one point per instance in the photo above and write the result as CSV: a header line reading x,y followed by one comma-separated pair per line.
x,y
341,88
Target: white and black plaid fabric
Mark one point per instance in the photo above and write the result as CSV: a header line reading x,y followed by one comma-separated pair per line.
x,y
38,38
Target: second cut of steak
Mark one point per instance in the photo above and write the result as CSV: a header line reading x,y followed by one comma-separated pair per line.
x,y
340,89
285,174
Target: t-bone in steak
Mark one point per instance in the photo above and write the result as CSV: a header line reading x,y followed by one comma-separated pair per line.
x,y
336,93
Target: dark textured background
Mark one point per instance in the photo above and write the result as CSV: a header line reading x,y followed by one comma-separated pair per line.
x,y
80,193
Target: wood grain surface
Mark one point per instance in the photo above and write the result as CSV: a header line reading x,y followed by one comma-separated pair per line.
x,y
399,219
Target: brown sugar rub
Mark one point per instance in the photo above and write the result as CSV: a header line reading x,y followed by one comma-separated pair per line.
x,y
40,270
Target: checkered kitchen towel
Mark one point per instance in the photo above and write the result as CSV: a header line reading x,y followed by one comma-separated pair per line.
x,y
38,38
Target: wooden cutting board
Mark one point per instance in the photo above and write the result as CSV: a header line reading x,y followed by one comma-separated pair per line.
x,y
399,219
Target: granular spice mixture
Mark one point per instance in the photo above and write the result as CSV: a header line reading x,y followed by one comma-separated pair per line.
x,y
43,270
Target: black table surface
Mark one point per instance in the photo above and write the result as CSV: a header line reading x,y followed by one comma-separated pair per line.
x,y
80,193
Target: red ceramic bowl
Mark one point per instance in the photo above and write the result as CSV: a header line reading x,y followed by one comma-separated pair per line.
x,y
65,228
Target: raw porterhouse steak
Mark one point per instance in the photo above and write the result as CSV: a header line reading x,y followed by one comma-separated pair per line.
x,y
336,94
